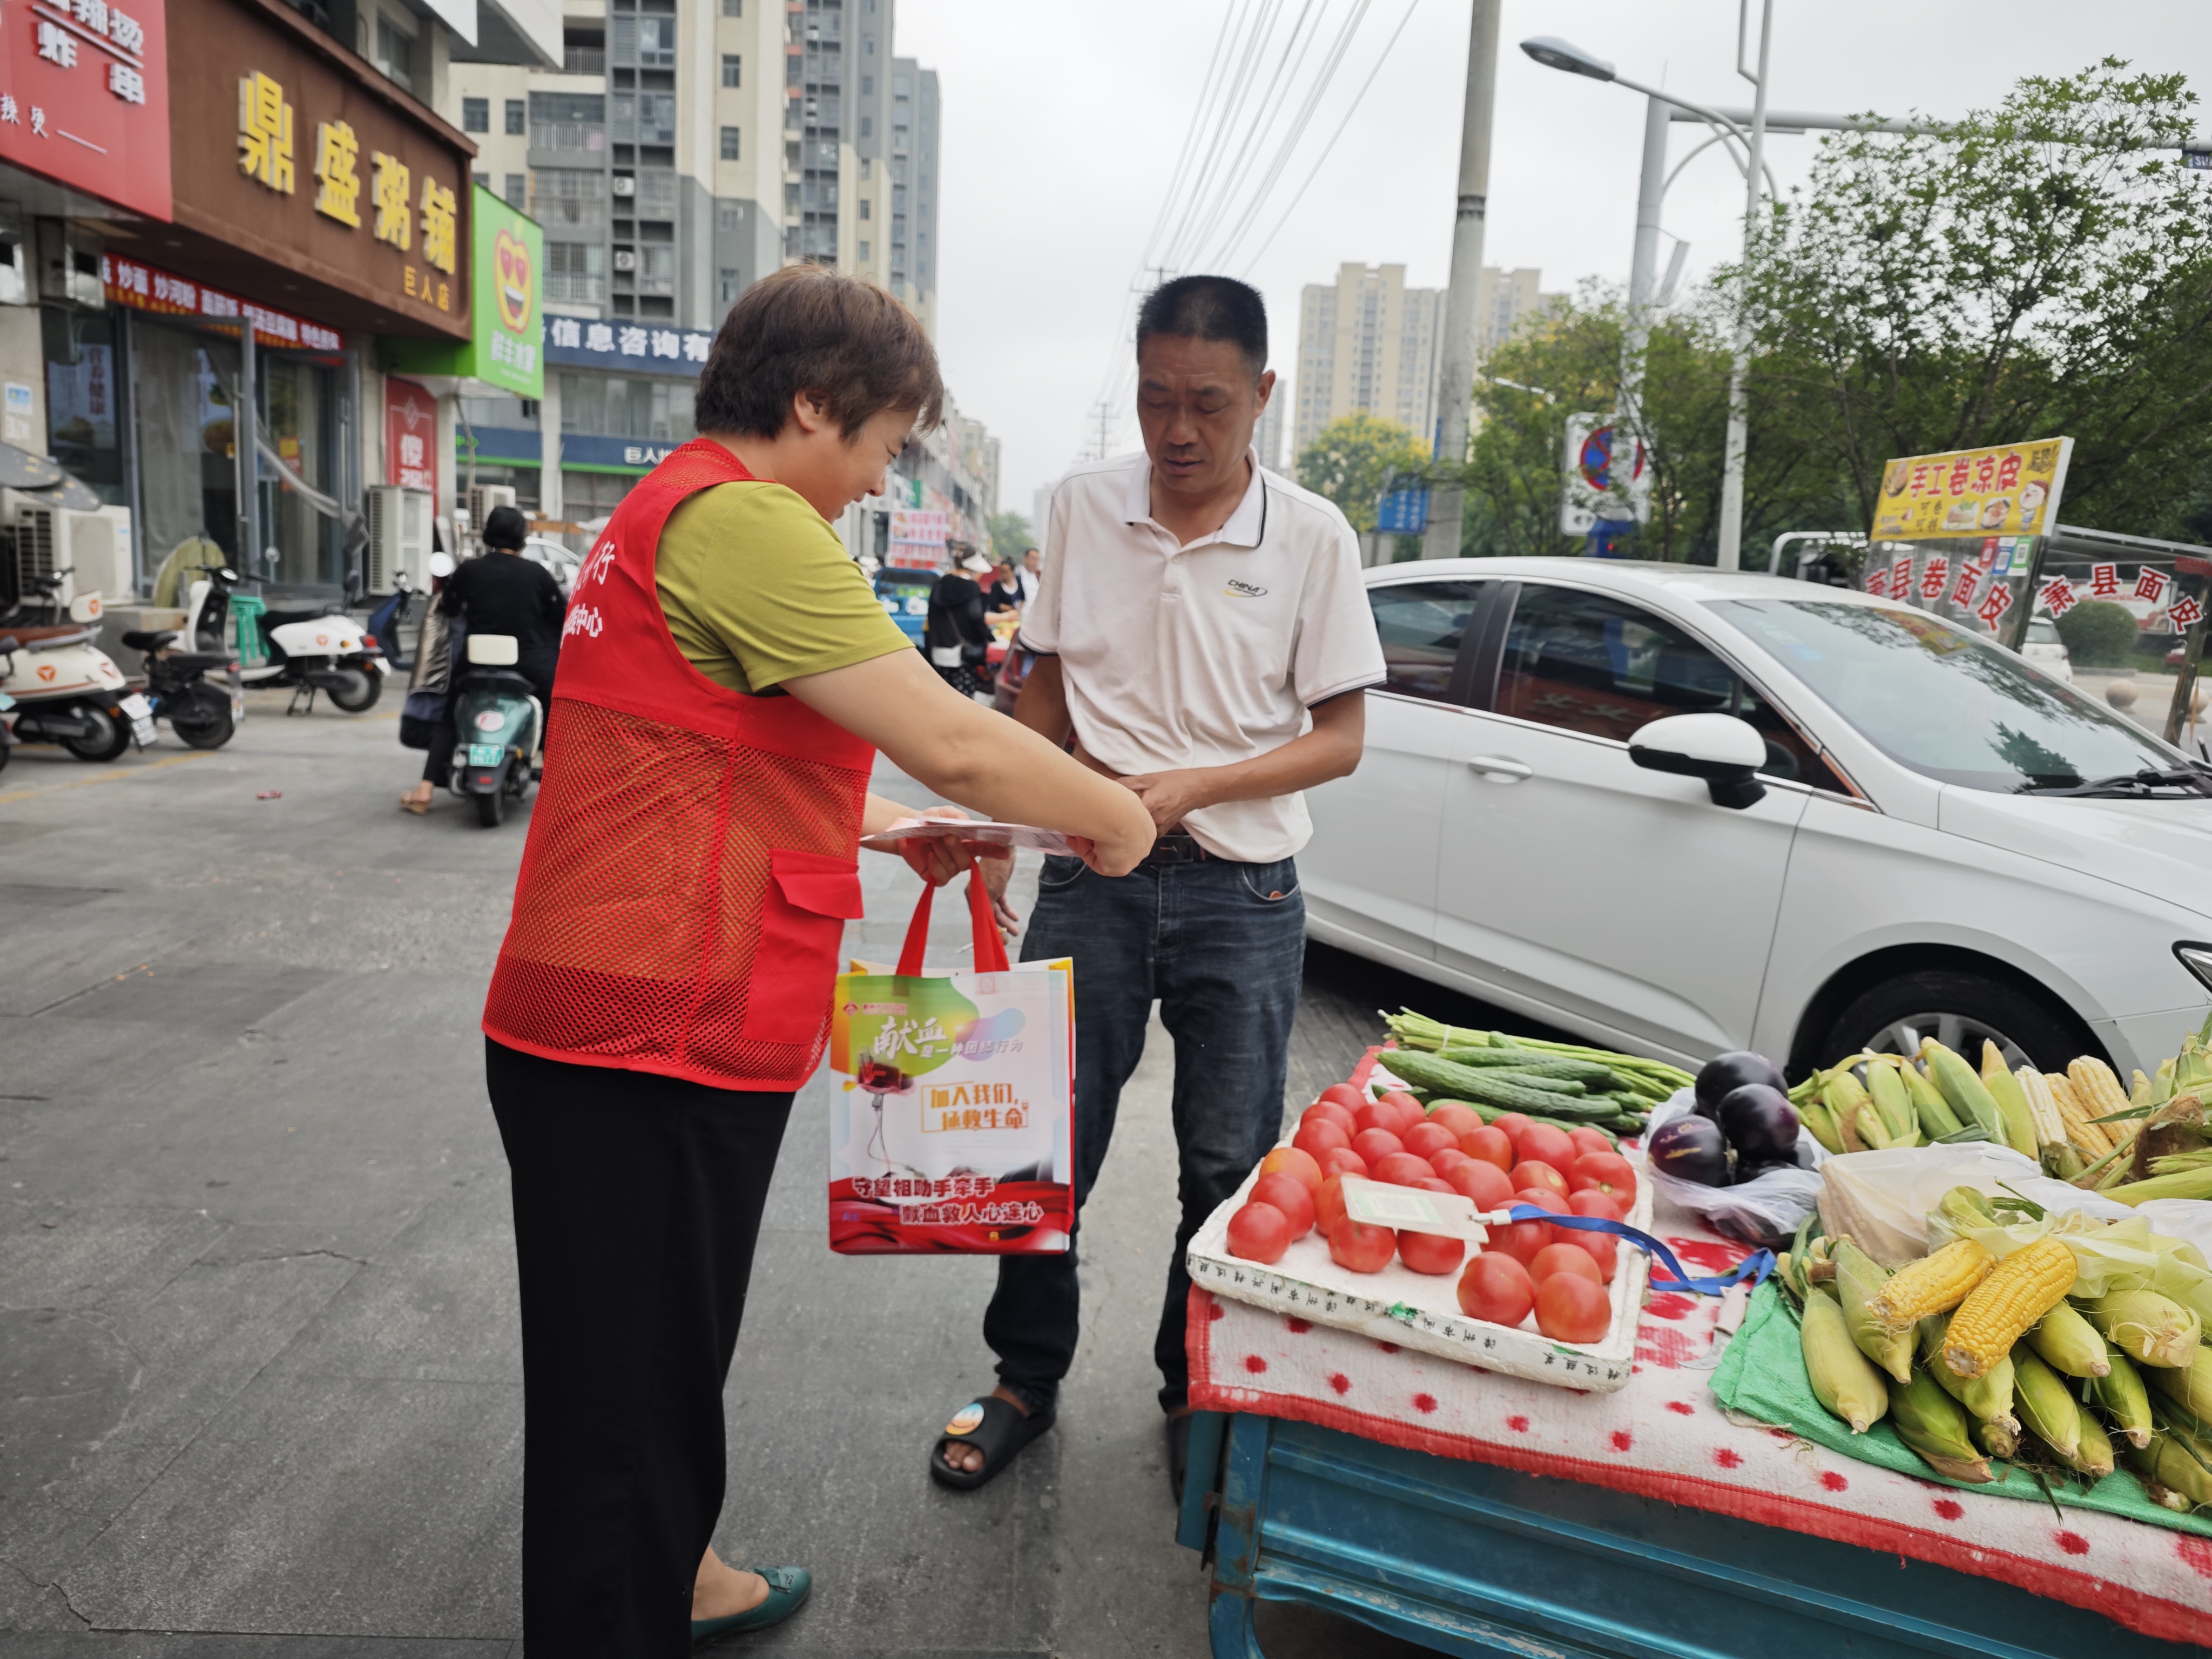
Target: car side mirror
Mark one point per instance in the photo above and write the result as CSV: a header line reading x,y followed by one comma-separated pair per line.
x,y
1724,750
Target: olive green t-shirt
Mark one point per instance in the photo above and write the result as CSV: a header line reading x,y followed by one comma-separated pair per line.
x,y
758,590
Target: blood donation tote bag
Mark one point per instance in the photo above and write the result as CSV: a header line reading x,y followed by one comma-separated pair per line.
x,y
952,1115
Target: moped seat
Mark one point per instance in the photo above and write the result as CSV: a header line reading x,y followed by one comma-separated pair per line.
x,y
139,639
497,679
283,618
23,638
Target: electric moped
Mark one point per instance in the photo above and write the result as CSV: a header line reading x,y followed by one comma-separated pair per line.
x,y
499,723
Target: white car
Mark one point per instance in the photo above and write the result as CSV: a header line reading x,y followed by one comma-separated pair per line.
x,y
2046,650
556,558
1944,840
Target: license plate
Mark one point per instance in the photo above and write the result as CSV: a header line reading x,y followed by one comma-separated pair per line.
x,y
141,733
486,754
136,707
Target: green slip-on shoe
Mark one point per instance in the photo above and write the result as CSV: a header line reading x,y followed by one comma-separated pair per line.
x,y
788,1590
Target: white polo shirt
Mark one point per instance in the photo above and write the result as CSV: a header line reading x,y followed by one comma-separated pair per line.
x,y
1206,654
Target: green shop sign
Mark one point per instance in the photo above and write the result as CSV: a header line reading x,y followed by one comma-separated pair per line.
x,y
507,268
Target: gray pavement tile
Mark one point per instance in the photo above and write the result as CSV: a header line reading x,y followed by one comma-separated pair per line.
x,y
218,996
82,946
33,895
54,1256
233,1645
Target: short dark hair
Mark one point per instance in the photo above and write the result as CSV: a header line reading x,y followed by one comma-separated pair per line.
x,y
503,527
807,328
1208,308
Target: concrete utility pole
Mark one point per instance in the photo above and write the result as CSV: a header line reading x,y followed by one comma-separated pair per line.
x,y
1730,555
1455,375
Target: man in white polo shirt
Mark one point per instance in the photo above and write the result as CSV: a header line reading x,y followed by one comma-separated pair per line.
x,y
1202,635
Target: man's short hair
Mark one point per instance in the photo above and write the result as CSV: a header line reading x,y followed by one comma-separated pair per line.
x,y
807,328
1208,308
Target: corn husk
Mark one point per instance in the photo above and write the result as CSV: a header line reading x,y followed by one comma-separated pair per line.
x,y
1988,1398
1936,1426
1859,1278
2046,1408
2095,1458
1936,1117
2190,1386
2013,1112
2000,1439
1844,1380
2149,1328
1890,1099
2121,1396
2068,1343
2177,1462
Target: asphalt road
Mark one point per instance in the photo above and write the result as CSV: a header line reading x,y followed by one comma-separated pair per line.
x,y
259,1391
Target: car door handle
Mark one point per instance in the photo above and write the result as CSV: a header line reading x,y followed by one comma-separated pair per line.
x,y
1496,766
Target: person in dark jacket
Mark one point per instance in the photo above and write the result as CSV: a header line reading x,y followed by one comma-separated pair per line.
x,y
500,593
958,634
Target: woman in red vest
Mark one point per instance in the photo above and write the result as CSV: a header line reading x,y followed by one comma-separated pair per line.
x,y
727,680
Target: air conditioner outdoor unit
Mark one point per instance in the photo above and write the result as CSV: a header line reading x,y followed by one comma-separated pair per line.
x,y
483,499
625,259
93,548
399,525
624,185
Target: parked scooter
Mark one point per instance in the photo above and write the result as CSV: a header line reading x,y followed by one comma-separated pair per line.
x,y
388,619
310,651
499,724
65,689
201,714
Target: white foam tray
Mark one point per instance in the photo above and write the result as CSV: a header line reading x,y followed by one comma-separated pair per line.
x,y
1421,1311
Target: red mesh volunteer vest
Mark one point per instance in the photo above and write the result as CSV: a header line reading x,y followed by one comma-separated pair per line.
x,y
691,860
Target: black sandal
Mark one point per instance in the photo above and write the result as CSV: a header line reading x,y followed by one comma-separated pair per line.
x,y
994,1428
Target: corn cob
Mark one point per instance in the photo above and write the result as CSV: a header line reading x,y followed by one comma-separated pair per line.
x,y
1844,1379
2101,1095
1936,1117
1859,1277
2140,1094
2089,1138
2069,1344
1820,1123
2190,1386
2179,1463
2121,1396
1997,1439
1886,1090
2046,1408
1988,1398
2095,1460
1935,1425
1934,1284
1848,1103
1964,1093
2042,1106
2149,1328
2019,1123
2182,1183
1998,1312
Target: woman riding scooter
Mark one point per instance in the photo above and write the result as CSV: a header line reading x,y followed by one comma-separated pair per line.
x,y
501,592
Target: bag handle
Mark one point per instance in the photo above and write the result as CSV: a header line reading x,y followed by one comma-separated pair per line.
x,y
990,949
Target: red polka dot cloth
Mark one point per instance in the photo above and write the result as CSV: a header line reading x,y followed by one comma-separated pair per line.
x,y
1664,1436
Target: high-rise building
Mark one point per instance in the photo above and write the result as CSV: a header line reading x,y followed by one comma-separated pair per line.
x,y
914,189
1268,440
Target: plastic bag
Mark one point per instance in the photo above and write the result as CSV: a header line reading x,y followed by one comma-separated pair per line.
x,y
2108,1256
1763,1210
1882,1200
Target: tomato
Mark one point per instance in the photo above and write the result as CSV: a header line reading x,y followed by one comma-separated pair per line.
x,y
1608,1173
1485,1183
1328,1204
1590,1201
1317,1136
1427,1140
1430,1253
1572,1309
1491,1144
1545,1177
1443,1160
1361,1249
1327,1111
1457,1118
1376,1145
1435,1184
1376,1115
1286,1193
1410,1110
1601,1248
1341,1160
1259,1233
1511,1125
1344,1094
1564,1258
1402,1169
1588,1140
1496,1288
1540,1143
1522,1239
1294,1161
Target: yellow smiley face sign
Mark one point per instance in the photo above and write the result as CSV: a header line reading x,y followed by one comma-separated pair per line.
x,y
515,272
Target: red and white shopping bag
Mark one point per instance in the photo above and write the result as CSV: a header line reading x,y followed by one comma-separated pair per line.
x,y
952,1126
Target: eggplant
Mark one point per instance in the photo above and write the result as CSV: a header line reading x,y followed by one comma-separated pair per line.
x,y
1724,1074
1691,1148
1761,1123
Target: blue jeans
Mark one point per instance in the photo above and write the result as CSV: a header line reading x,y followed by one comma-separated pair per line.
x,y
1221,945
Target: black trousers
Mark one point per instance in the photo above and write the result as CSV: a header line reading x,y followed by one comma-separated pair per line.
x,y
637,1201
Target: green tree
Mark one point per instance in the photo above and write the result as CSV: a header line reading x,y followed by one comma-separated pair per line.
x,y
1350,460
1010,536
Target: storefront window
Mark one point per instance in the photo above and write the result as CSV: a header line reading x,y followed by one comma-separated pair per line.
x,y
299,411
588,495
616,406
83,400
187,475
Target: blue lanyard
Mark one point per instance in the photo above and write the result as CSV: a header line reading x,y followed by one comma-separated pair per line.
x,y
1754,1267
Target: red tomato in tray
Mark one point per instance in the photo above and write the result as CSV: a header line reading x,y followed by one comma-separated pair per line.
x,y
1427,1140
1376,1145
1327,1111
1259,1233
1402,1169
1496,1288
1511,1125
1491,1144
1430,1253
1522,1239
1572,1309
1360,1248
1564,1258
1485,1183
1590,1201
1545,1177
1316,1136
1588,1140
1540,1143
1294,1161
1455,1117
1344,1094
1608,1173
1286,1193
1601,1248
1328,1204
1377,1115
1443,1160
1342,1160
1435,1184
1410,1110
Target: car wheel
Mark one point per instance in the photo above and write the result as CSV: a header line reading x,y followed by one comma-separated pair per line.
x,y
1961,1012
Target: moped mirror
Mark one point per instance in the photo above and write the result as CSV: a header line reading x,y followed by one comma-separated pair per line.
x,y
1724,750
441,565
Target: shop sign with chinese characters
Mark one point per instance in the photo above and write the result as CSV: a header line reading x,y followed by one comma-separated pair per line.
x,y
2010,490
84,97
504,349
574,343
410,435
144,287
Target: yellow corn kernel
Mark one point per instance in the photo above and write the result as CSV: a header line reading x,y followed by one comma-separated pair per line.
x,y
2089,1138
1934,1284
2015,1295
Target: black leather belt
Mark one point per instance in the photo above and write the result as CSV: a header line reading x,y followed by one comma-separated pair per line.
x,y
1178,846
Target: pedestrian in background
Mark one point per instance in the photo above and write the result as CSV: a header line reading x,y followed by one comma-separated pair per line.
x,y
1005,592
1201,631
958,633
1030,574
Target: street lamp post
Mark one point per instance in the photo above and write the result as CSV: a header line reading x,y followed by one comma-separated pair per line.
x,y
1728,555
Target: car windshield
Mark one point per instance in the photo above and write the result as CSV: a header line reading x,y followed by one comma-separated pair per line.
x,y
1950,706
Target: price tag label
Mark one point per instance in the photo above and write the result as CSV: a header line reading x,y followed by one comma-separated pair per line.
x,y
1414,1209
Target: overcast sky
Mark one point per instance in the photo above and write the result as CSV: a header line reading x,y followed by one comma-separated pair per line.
x,y
1063,118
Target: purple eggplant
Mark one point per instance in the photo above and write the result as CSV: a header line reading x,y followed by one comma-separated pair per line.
x,y
1692,1149
1761,1123
1724,1074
